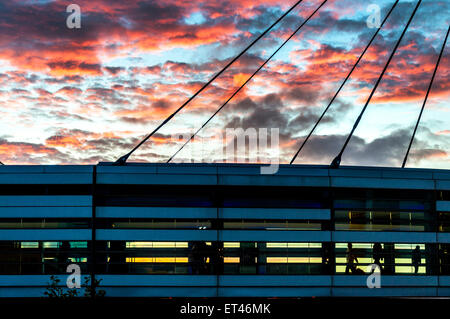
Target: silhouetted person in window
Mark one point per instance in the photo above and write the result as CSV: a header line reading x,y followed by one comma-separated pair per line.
x,y
117,258
351,258
416,259
199,254
63,257
215,254
377,255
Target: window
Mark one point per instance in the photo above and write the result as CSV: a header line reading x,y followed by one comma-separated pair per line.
x,y
360,220
37,258
398,259
36,223
213,258
146,223
272,224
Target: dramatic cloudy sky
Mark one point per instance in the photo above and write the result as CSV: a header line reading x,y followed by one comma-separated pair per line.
x,y
88,95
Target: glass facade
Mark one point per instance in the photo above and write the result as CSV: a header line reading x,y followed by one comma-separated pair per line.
x,y
42,257
268,210
383,220
229,258
393,259
36,223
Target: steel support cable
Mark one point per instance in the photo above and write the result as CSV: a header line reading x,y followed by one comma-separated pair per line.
x,y
122,160
426,98
337,160
248,80
344,82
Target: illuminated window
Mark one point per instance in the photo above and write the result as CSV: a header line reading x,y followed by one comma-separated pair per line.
x,y
29,244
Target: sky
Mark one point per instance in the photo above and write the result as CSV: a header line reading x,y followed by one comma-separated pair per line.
x,y
87,95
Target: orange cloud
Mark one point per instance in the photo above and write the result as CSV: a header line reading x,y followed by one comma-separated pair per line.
x,y
240,78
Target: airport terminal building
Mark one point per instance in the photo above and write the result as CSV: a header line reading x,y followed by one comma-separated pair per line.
x,y
224,230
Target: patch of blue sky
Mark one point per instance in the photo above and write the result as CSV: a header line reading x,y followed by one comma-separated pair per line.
x,y
195,18
198,55
382,118
36,2
436,116
224,52
185,123
341,127
282,55
341,39
257,90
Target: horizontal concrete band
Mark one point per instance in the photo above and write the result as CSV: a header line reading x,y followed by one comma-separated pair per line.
x,y
274,236
274,213
45,212
156,212
32,280
46,169
229,174
443,206
211,212
213,235
283,169
223,235
232,169
210,292
270,180
156,235
43,179
235,280
45,200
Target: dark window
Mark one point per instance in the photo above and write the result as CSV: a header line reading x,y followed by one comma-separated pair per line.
x,y
56,189
160,195
275,197
30,223
383,220
146,223
37,258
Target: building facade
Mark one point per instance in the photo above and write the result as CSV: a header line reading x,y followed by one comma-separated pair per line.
x,y
223,230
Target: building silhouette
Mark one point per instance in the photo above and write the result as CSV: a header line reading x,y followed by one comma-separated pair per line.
x,y
225,229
